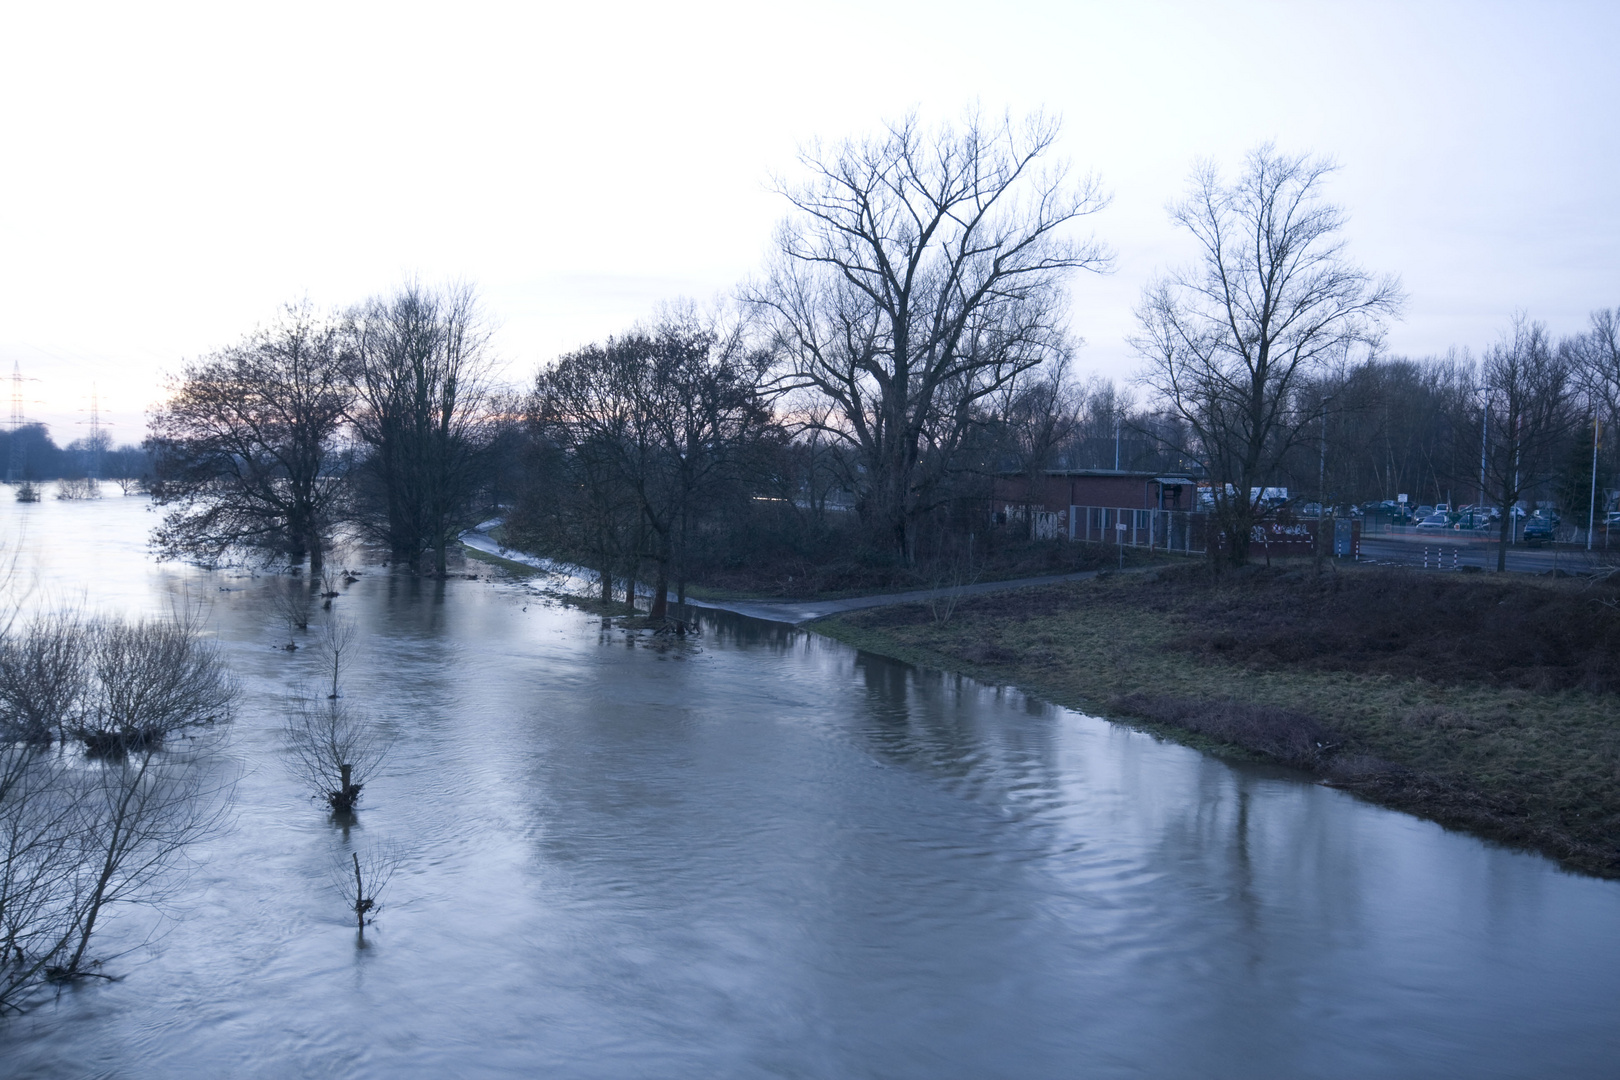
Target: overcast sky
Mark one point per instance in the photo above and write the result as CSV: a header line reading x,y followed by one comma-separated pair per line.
x,y
170,174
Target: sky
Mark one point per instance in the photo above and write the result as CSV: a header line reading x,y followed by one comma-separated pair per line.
x,y
171,174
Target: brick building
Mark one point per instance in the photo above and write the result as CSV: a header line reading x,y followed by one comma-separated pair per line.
x,y
1058,489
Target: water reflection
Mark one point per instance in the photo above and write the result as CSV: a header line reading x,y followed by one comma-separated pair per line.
x,y
761,853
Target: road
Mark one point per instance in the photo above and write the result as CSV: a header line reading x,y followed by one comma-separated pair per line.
x,y
1448,550
793,612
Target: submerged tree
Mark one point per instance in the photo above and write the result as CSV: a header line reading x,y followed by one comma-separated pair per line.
x,y
80,834
153,678
334,750
140,812
40,849
44,678
362,881
246,450
419,361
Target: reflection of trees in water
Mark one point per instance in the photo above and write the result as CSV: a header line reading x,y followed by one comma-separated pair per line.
x,y
1003,754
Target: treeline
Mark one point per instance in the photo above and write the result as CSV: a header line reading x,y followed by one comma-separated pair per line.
x,y
28,453
904,347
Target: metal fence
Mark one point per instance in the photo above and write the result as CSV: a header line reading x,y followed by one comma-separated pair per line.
x,y
1166,530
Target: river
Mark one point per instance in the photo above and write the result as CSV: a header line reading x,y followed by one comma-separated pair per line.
x,y
763,854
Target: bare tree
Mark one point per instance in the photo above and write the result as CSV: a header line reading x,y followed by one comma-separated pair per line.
x,y
44,678
293,606
921,272
140,812
152,679
40,818
335,751
362,882
246,450
698,405
420,362
583,423
79,836
337,643
1272,301
1595,359
1527,386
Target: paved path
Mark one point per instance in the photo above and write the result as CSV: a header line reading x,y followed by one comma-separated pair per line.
x,y
793,612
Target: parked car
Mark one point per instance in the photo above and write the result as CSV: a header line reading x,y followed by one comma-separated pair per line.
x,y
1436,521
1537,531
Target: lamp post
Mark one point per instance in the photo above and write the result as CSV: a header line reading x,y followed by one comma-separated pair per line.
x,y
1591,507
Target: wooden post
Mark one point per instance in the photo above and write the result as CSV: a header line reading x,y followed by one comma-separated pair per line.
x,y
359,890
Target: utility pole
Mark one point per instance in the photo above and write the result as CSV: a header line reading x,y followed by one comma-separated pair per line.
x,y
92,463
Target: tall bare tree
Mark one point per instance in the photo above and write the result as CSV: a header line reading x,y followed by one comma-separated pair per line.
x,y
922,271
247,448
1595,360
1271,301
1527,387
420,364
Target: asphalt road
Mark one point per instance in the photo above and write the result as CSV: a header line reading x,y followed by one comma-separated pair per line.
x,y
1447,551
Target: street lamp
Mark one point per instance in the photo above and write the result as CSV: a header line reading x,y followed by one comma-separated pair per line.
x,y
1591,508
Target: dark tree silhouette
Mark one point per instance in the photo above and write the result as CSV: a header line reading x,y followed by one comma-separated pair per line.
x,y
246,450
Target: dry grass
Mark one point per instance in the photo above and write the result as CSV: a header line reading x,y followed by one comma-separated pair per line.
x,y
863,573
1484,703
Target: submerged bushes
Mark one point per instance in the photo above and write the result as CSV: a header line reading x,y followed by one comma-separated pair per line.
x,y
98,799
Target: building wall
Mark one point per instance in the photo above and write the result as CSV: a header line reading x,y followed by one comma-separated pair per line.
x,y
1058,492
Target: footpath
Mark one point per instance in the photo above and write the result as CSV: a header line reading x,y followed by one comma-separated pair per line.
x,y
792,612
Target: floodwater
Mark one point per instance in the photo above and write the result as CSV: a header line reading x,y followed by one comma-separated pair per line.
x,y
763,854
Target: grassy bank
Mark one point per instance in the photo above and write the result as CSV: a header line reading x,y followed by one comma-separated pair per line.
x,y
852,571
1486,703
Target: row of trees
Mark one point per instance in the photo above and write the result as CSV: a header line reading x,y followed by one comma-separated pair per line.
x,y
906,343
28,453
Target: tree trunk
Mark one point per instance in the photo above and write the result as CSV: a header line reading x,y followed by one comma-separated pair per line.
x,y
660,600
1502,537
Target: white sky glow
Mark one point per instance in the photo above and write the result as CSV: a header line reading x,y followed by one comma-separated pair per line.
x,y
171,174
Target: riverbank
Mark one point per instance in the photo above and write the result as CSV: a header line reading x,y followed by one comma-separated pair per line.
x,y
1490,704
